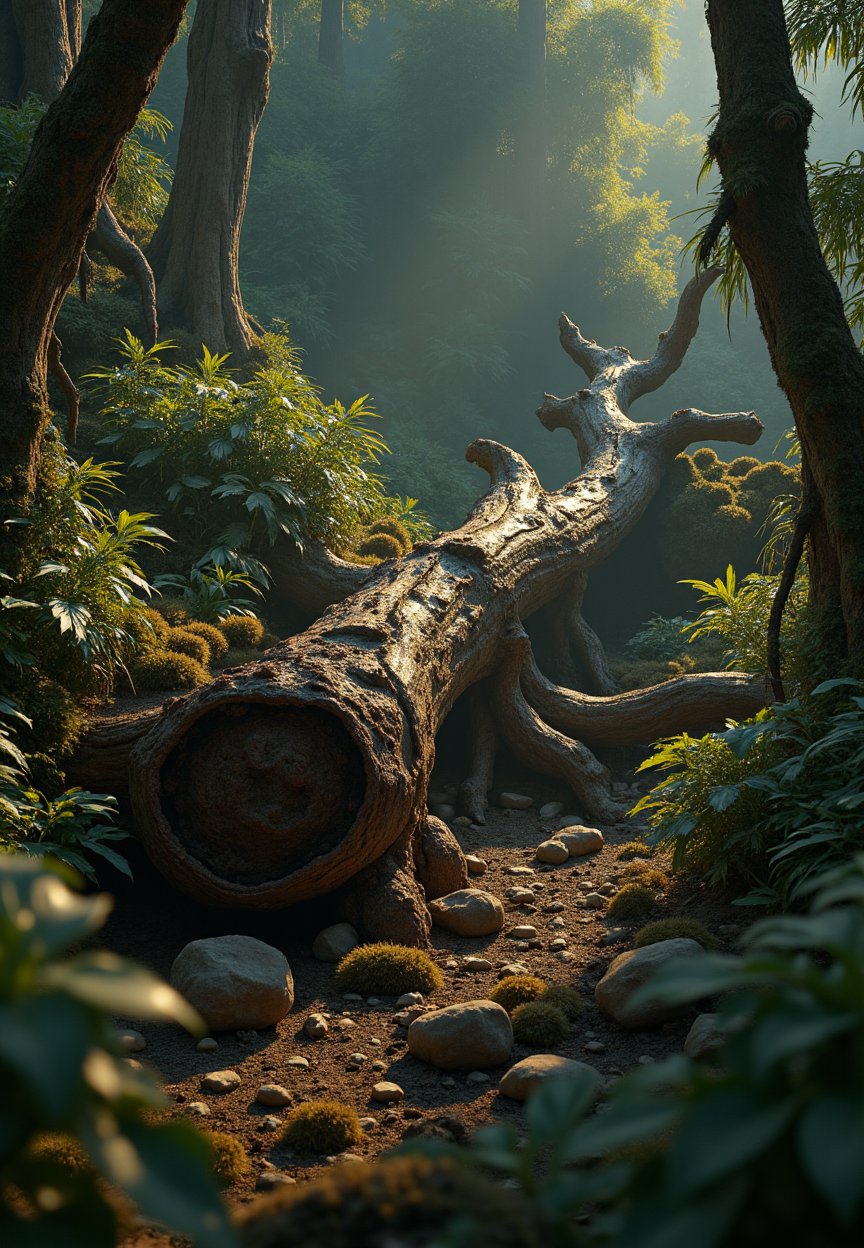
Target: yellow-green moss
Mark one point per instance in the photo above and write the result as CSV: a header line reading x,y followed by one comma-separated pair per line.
x,y
166,669
516,990
393,528
565,999
322,1127
184,641
674,929
242,631
632,902
381,545
217,642
633,849
538,1024
230,1161
387,970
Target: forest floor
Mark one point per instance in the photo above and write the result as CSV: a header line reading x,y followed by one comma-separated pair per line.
x,y
151,923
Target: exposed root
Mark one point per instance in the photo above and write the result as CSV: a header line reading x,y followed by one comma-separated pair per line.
x,y
640,716
385,902
541,747
67,385
438,860
572,633
474,791
117,247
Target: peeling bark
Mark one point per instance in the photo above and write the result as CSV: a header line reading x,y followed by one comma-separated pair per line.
x,y
321,752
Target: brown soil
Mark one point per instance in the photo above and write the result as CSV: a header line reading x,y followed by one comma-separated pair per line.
x,y
151,923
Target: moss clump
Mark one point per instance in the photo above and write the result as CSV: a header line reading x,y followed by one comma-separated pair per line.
x,y
640,872
393,528
57,718
183,641
516,990
242,631
633,849
217,642
166,669
230,1161
565,999
634,901
387,970
148,629
60,1150
381,545
322,1127
742,465
409,1200
674,929
175,611
538,1024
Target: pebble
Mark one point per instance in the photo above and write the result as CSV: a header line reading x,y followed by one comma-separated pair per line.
x,y
476,965
608,889
558,943
448,1082
595,901
409,998
273,1094
247,1037
558,921
378,1066
315,1026
518,870
563,955
552,852
476,866
270,1123
351,996
198,1107
269,1180
549,810
375,1042
345,1024
358,1058
220,1081
477,1076
132,1042
468,912
461,821
451,964
515,801
523,932
207,1045
512,968
554,907
302,1062
368,1124
594,1046
387,1093
373,1001
519,896
613,936
334,942
444,811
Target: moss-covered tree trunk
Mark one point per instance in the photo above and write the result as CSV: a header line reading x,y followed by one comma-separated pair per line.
x,y
51,211
195,250
307,771
759,143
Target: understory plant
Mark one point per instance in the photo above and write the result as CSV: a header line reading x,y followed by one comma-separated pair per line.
x,y
65,1079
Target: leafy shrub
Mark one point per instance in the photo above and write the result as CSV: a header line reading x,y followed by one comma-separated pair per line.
x,y
660,639
173,610
148,630
633,901
182,641
515,990
217,643
165,669
387,970
230,1161
244,631
211,592
65,1080
538,1024
322,1127
672,929
380,546
55,718
565,999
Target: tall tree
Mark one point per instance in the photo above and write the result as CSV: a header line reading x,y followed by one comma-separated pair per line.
x,y
531,128
53,207
759,143
331,36
196,248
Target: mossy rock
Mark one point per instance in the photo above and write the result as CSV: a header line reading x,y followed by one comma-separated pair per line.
x,y
217,642
184,641
322,1127
539,1025
407,1200
516,990
383,970
242,631
166,669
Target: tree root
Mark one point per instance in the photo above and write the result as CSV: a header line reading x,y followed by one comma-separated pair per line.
x,y
109,237
474,791
573,634
67,385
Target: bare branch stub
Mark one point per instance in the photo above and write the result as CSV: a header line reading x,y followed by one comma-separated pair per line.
x,y
648,375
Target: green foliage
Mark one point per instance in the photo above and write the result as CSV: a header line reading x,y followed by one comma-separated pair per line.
x,y
326,1127
539,1025
380,546
660,639
63,1075
166,669
149,630
395,528
230,1161
632,901
140,194
674,929
182,641
633,849
515,990
210,592
565,999
215,638
387,970
242,631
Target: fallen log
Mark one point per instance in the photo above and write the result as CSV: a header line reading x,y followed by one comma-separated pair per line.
x,y
306,771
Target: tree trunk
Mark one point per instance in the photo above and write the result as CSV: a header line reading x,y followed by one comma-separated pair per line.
x,y
69,171
43,33
307,771
11,56
331,33
759,143
196,247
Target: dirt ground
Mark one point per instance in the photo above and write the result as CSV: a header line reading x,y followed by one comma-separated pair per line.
x,y
151,923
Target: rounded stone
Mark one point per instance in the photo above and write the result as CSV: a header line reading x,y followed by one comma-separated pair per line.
x,y
552,852
387,1093
579,841
616,993
550,810
468,912
334,942
132,1042
468,1036
515,801
476,865
526,1076
704,1037
525,931
234,982
273,1095
207,1045
220,1081
315,1026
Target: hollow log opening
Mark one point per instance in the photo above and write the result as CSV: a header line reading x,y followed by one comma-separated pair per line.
x,y
256,792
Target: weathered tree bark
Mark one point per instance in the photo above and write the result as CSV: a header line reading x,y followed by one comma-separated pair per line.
x,y
320,753
331,36
196,247
759,143
52,209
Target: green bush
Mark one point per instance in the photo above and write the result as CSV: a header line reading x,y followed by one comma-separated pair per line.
x,y
149,630
230,1161
75,1118
242,631
387,970
641,872
380,546
674,929
182,641
322,1127
217,643
565,999
394,528
165,669
633,901
633,849
515,990
539,1025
